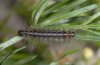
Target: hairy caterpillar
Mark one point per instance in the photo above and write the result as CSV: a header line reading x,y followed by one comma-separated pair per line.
x,y
46,33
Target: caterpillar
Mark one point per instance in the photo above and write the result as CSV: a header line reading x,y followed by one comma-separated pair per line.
x,y
46,33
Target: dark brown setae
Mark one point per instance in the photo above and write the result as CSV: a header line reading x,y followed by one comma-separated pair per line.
x,y
46,33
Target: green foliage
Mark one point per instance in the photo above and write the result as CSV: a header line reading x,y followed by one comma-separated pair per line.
x,y
64,15
11,54
47,14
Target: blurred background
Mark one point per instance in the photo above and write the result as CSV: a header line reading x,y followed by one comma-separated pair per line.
x,y
15,14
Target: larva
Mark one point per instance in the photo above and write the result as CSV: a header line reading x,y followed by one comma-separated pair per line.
x,y
46,33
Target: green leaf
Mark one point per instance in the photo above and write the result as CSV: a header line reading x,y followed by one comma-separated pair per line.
x,y
91,18
36,15
10,42
55,7
93,32
87,37
64,15
36,8
9,56
25,60
94,26
14,52
70,6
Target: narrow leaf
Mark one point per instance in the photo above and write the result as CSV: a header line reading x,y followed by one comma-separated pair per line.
x,y
64,15
36,8
17,50
25,60
93,32
68,7
94,26
40,10
87,37
10,42
55,7
91,18
9,56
